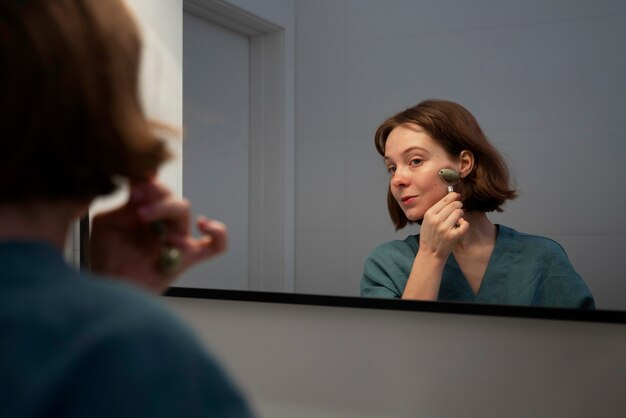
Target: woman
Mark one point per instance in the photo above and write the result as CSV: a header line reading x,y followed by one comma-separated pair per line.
x,y
459,254
76,344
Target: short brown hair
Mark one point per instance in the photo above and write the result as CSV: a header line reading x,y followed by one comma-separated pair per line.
x,y
71,123
452,126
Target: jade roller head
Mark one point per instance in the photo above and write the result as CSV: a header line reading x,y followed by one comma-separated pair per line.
x,y
450,177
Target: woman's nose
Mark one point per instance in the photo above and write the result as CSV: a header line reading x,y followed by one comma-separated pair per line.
x,y
399,178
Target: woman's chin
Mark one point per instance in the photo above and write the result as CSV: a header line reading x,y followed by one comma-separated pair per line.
x,y
414,218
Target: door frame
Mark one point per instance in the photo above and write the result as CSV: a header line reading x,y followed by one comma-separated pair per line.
x,y
271,143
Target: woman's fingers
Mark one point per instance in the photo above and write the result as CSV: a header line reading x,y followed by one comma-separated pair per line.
x,y
462,226
217,231
446,212
155,203
443,225
451,213
445,201
214,241
149,241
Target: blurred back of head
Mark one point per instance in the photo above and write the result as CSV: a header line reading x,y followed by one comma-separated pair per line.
x,y
71,122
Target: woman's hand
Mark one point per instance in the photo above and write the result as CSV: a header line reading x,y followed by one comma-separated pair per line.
x,y
128,242
443,226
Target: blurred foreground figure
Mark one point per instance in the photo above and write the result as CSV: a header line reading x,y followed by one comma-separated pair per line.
x,y
75,344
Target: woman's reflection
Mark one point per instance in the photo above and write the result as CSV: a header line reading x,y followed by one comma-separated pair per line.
x,y
459,254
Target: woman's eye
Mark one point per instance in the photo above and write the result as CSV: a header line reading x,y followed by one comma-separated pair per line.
x,y
391,169
416,161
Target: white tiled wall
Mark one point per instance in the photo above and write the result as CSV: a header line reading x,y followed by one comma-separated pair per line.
x,y
546,80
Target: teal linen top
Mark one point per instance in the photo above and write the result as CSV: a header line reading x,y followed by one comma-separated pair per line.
x,y
77,345
523,270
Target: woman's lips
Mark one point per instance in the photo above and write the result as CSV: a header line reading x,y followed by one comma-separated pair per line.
x,y
407,200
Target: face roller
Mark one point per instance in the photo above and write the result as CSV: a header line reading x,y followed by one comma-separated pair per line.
x,y
450,177
169,256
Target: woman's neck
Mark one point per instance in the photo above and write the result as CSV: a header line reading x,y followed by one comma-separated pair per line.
x,y
47,222
481,232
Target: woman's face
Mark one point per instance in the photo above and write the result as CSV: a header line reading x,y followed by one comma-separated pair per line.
x,y
413,160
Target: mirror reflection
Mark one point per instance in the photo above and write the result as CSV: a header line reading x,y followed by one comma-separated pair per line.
x,y
445,176
544,81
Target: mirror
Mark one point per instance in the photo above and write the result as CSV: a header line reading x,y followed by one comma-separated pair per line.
x,y
544,80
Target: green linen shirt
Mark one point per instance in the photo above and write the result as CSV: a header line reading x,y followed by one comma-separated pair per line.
x,y
76,345
523,270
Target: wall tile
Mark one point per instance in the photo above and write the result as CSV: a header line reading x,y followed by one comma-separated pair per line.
x,y
320,22
545,76
568,180
377,19
320,92
320,263
320,185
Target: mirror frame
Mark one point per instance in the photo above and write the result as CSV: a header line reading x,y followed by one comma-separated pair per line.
x,y
598,315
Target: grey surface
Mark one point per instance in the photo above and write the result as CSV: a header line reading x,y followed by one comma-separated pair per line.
x,y
310,361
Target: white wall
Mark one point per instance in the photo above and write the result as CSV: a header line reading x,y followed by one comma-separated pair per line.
x,y
160,23
325,362
545,80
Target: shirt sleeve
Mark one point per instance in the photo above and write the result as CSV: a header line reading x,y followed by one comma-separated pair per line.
x,y
381,275
561,286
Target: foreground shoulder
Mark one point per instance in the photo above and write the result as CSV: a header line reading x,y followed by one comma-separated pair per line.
x,y
122,317
141,348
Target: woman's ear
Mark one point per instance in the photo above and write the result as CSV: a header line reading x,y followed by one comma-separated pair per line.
x,y
466,163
